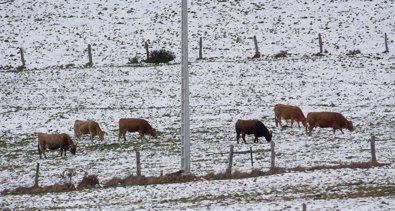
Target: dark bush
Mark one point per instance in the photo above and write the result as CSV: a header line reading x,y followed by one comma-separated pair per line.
x,y
89,181
160,56
133,60
282,54
353,52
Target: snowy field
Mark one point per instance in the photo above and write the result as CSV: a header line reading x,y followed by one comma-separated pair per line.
x,y
228,86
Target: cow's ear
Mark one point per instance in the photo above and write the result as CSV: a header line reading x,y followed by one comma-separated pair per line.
x,y
270,132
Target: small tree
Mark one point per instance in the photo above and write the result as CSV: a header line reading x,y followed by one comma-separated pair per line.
x,y
160,56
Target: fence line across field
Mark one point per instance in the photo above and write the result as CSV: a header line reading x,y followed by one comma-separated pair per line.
x,y
200,56
228,170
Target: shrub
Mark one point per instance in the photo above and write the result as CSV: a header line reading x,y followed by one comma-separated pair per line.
x,y
133,60
160,56
353,52
281,54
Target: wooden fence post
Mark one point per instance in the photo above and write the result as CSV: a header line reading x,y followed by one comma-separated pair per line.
x,y
230,164
200,48
36,178
320,43
373,149
304,207
252,161
386,43
273,155
90,63
138,164
257,53
146,50
22,57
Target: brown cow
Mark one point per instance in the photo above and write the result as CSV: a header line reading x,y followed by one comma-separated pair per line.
x,y
328,119
135,125
55,141
255,127
88,127
287,112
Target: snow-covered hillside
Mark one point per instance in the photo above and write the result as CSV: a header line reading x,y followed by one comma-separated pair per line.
x,y
58,32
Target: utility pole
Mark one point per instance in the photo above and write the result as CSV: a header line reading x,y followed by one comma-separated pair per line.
x,y
185,129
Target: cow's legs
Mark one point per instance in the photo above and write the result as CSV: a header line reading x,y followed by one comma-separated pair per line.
x,y
276,120
243,135
339,129
120,134
39,150
124,136
78,135
141,133
237,137
256,139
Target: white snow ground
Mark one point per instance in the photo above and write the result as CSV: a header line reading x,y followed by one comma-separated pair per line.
x,y
228,86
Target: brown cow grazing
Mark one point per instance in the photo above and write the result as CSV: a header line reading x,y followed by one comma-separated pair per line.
x,y
287,112
255,127
135,125
328,119
88,127
55,141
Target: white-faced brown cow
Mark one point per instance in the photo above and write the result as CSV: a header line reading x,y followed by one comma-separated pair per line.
x,y
289,112
135,125
255,127
88,127
328,120
55,141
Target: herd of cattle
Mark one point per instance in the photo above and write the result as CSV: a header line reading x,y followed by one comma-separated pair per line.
x,y
62,141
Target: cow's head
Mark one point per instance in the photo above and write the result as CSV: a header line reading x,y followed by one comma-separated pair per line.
x,y
101,135
304,123
153,133
269,137
73,149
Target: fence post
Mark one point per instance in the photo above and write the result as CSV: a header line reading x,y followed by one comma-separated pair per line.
x,y
273,155
320,43
304,207
22,57
146,50
373,149
257,53
90,63
200,48
230,164
36,178
138,164
386,43
252,160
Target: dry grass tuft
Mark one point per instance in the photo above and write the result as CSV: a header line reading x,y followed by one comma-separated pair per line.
x,y
89,181
56,188
176,177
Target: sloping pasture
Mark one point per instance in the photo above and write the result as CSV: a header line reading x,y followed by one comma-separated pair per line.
x,y
362,88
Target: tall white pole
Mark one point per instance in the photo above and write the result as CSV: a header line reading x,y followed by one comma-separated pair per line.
x,y
185,130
